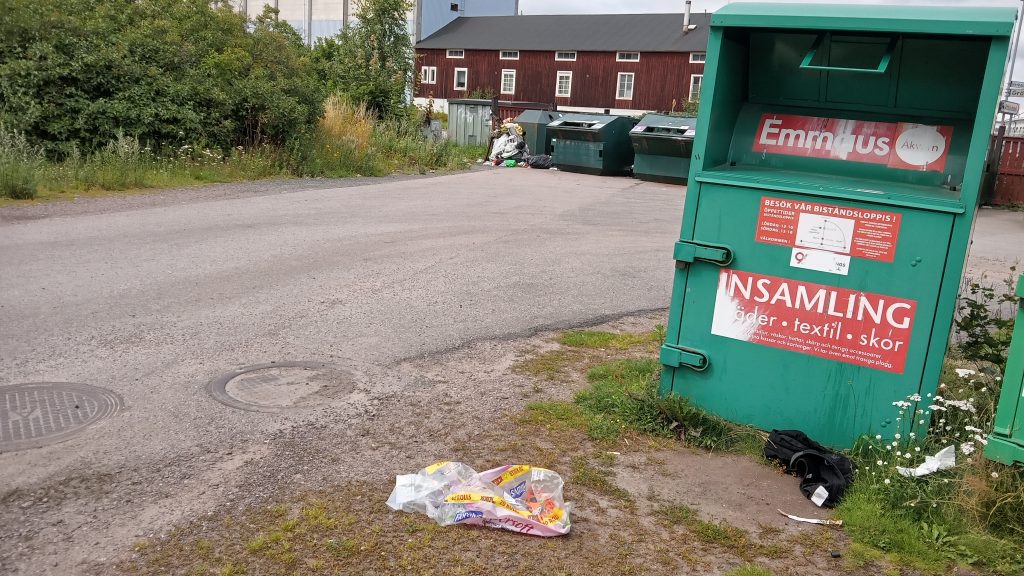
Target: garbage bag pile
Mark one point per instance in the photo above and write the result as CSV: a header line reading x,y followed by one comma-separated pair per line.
x,y
519,498
508,144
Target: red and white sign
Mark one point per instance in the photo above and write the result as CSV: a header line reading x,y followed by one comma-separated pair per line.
x,y
861,328
901,145
859,232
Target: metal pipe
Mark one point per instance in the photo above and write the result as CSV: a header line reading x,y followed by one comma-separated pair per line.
x,y
1013,50
309,23
1013,58
686,17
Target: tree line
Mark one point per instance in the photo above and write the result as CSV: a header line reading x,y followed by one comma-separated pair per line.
x,y
73,73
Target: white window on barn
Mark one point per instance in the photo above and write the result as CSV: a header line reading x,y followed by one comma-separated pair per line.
x,y
456,53
461,78
625,86
565,56
428,75
695,82
627,56
698,57
509,55
563,84
508,81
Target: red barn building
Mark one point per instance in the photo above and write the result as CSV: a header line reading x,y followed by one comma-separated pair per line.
x,y
620,62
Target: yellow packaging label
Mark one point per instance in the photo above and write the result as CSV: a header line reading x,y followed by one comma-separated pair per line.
x,y
476,497
511,474
435,467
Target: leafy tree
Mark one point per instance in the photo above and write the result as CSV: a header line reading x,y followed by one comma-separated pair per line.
x,y
75,72
371,61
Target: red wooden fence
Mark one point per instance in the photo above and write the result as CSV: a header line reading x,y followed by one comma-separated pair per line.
x,y
1009,188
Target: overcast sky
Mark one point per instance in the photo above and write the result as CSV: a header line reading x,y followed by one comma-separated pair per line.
x,y
639,6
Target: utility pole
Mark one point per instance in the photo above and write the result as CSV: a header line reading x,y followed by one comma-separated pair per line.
x,y
1013,60
344,15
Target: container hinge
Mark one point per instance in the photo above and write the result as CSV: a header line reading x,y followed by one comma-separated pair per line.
x,y
677,357
692,251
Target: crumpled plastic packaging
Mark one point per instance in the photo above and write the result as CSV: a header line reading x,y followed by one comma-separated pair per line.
x,y
519,498
943,459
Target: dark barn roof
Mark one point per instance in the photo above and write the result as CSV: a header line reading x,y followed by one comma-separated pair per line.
x,y
580,32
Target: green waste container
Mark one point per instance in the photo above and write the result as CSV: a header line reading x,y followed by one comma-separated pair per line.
x,y
592,143
535,124
663,145
832,191
1006,443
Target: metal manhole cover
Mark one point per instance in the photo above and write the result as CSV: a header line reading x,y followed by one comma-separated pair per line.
x,y
40,413
279,386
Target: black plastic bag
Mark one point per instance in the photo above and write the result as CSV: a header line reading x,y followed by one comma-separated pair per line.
x,y
542,161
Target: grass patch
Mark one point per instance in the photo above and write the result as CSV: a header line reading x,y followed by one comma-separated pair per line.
x,y
749,570
613,340
383,541
719,534
623,399
597,479
554,365
348,141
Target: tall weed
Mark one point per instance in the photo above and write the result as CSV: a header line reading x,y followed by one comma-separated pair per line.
x,y
19,165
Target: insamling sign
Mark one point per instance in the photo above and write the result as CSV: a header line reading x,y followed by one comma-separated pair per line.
x,y
861,328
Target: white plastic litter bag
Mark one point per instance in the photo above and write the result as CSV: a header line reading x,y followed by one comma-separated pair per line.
x,y
519,498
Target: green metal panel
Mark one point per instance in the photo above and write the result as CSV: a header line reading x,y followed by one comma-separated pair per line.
x,y
592,143
970,21
1006,443
534,123
663,145
872,79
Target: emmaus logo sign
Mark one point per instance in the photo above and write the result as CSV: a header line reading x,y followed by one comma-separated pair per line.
x,y
850,326
901,145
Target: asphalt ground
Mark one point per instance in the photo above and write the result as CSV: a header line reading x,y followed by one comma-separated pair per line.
x,y
153,296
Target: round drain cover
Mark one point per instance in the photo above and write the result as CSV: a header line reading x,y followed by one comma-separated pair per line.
x,y
278,386
41,413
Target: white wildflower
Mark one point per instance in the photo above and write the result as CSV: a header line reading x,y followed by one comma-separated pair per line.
x,y
995,474
967,448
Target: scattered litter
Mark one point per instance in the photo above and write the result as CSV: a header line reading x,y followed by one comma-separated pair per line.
x,y
519,498
812,520
965,372
837,554
817,467
943,459
614,453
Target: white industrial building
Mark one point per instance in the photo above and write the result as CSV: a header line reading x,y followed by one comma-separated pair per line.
x,y
315,19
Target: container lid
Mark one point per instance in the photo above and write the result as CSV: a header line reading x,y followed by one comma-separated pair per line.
x,y
966,21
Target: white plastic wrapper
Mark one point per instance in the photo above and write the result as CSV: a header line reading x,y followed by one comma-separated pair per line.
x,y
519,498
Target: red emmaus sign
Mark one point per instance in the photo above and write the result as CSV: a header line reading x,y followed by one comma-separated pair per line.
x,y
897,145
839,324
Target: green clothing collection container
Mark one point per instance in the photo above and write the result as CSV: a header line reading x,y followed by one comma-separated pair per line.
x,y
592,143
1006,443
663,145
832,191
535,129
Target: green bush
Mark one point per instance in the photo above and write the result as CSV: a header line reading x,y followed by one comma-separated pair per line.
x,y
168,72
